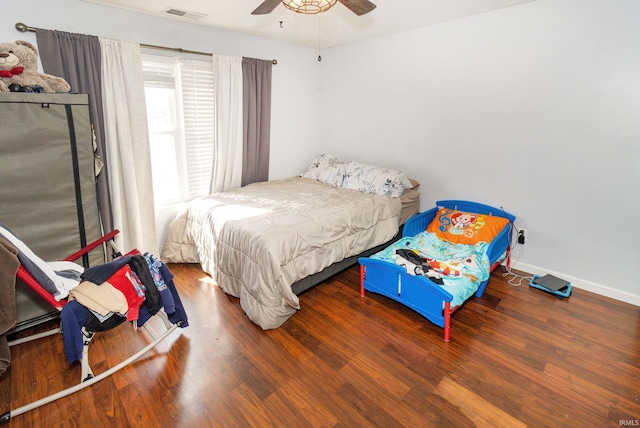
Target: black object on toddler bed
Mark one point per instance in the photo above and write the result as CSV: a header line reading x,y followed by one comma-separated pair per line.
x,y
445,256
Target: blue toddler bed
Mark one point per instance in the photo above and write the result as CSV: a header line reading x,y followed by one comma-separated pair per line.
x,y
445,256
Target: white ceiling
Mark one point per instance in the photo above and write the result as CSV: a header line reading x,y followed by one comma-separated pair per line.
x,y
337,26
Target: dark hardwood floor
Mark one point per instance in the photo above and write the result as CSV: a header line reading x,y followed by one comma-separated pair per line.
x,y
518,357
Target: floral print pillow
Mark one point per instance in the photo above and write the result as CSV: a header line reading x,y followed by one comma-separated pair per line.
x,y
328,169
375,180
357,176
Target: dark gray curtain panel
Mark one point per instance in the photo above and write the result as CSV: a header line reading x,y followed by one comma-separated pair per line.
x,y
256,76
77,58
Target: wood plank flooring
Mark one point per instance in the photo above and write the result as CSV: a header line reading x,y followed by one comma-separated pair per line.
x,y
518,357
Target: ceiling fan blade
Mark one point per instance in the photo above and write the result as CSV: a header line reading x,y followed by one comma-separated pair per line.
x,y
359,7
266,7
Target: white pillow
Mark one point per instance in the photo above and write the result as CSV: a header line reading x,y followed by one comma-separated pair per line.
x,y
375,180
328,169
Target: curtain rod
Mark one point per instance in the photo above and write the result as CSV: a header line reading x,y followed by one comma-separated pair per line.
x,y
23,28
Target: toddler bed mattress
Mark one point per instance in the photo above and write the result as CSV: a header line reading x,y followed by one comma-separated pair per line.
x,y
457,268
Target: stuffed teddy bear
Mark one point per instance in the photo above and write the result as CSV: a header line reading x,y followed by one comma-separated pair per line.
x,y
19,73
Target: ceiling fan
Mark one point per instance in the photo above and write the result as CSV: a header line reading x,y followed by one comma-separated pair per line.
x,y
359,7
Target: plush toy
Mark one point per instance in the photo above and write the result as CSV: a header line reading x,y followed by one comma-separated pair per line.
x,y
19,70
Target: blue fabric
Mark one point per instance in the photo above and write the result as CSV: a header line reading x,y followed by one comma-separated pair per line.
x,y
179,314
165,294
72,318
101,273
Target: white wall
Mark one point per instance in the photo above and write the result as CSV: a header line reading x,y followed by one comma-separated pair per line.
x,y
296,135
534,108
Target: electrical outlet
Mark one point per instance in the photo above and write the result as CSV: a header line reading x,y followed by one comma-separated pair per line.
x,y
522,236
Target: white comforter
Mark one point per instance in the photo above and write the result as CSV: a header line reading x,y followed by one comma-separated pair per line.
x,y
258,240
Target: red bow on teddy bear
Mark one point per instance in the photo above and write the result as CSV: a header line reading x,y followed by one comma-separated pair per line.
x,y
9,73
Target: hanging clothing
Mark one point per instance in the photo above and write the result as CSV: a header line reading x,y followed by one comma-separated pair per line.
x,y
9,264
128,283
139,265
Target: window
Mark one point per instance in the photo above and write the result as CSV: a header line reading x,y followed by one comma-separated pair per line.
x,y
181,116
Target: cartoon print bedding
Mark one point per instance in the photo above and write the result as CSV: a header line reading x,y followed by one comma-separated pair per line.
x,y
457,268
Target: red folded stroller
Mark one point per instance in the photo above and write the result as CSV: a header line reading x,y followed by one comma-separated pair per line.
x,y
132,288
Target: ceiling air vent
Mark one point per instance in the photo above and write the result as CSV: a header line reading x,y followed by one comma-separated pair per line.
x,y
184,13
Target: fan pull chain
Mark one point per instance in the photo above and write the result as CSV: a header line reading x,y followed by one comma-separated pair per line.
x,y
319,56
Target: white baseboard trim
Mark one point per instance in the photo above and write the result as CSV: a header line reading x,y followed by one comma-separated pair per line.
x,y
600,289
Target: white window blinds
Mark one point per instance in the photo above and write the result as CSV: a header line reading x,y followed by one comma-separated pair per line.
x,y
198,103
181,110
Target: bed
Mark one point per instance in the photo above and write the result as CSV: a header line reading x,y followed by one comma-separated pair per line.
x,y
445,256
267,242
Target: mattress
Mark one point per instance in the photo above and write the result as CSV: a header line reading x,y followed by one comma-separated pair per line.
x,y
460,268
256,241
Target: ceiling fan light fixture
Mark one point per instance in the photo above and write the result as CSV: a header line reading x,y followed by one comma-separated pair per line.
x,y
309,6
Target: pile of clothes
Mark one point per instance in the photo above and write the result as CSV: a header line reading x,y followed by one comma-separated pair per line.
x,y
131,288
